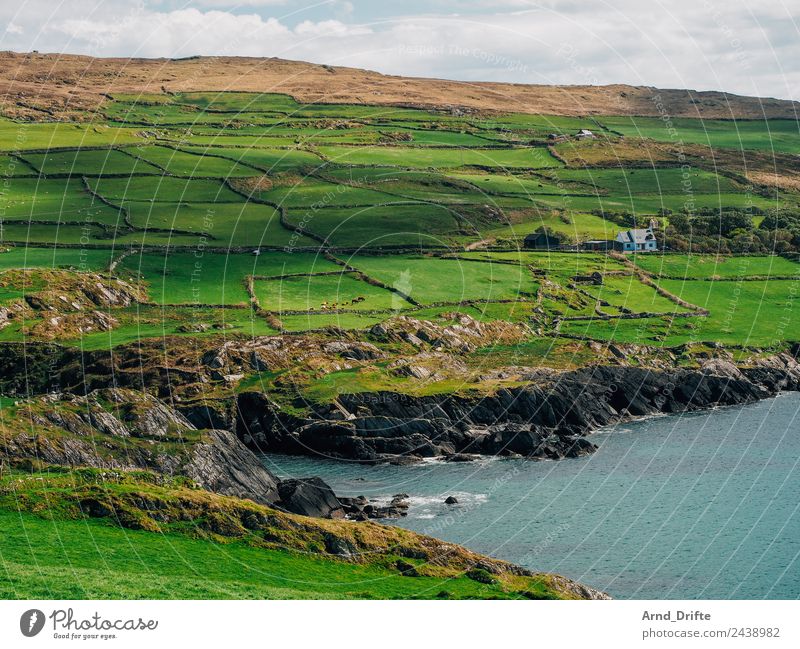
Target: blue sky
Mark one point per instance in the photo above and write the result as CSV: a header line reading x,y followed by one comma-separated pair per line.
x,y
738,46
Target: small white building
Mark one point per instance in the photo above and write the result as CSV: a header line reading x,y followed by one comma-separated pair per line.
x,y
585,133
636,240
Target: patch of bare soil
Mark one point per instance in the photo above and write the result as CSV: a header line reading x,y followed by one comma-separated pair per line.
x,y
604,151
785,181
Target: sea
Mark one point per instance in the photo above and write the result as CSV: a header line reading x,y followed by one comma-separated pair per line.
x,y
699,505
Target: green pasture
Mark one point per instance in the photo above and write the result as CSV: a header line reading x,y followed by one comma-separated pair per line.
x,y
53,234
381,225
649,180
421,185
213,278
308,192
760,313
325,292
710,266
164,188
312,321
23,136
530,186
195,165
68,258
653,203
223,224
429,280
144,321
53,200
628,293
778,135
203,138
562,264
527,122
572,226
526,158
265,159
88,162
433,137
11,167
89,559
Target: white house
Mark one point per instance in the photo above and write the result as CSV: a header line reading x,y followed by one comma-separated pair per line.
x,y
636,240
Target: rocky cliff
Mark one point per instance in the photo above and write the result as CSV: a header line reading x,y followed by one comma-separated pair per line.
x,y
548,418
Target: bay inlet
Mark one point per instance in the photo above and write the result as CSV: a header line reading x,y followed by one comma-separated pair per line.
x,y
700,505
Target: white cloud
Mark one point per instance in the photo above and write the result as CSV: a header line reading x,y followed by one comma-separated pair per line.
x,y
238,3
330,28
14,29
700,44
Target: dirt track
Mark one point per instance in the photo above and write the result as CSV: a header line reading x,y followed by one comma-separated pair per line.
x,y
40,85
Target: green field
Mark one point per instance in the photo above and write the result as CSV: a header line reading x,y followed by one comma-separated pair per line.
x,y
775,135
201,173
312,192
53,200
619,181
752,313
707,267
630,294
653,203
208,278
86,559
225,225
23,136
163,188
103,162
324,292
265,159
181,163
421,278
526,158
380,226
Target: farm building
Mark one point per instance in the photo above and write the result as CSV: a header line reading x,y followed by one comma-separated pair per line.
x,y
585,133
636,240
598,245
541,240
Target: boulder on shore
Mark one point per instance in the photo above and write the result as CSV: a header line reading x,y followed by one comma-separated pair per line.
x,y
309,497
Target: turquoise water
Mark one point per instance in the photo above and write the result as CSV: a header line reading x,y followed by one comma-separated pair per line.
x,y
693,506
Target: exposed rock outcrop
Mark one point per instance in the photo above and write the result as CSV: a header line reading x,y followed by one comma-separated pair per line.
x,y
547,419
310,497
123,429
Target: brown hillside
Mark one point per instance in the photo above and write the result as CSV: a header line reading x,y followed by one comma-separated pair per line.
x,y
35,85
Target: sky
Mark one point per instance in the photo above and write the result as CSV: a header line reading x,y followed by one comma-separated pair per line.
x,y
749,47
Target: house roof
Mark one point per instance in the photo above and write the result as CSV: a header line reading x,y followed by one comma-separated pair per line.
x,y
539,235
635,236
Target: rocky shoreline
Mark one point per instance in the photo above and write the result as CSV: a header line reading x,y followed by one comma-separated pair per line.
x,y
548,418
214,442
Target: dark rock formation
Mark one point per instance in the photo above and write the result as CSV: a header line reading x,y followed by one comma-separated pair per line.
x,y
361,509
451,500
221,463
547,419
309,497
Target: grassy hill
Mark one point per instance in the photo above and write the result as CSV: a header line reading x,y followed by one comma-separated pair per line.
x,y
199,242
185,543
